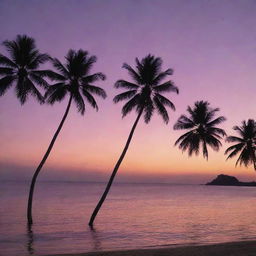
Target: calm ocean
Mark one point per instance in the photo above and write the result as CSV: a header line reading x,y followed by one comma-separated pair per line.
x,y
133,216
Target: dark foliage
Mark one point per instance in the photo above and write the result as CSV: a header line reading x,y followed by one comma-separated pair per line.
x,y
244,144
145,92
21,68
74,78
201,129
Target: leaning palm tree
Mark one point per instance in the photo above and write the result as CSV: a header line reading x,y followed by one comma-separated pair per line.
x,y
201,129
21,68
74,79
143,96
245,144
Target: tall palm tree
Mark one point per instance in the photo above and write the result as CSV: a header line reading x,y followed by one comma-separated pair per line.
x,y
74,79
201,129
245,144
21,68
143,96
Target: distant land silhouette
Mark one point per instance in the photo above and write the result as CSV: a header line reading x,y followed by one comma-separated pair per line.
x,y
226,180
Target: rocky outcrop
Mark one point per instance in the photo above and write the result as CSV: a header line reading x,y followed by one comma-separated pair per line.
x,y
226,180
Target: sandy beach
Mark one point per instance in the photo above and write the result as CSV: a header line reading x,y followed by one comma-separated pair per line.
x,y
246,248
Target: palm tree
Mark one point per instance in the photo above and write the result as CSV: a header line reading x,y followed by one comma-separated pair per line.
x,y
21,68
143,96
201,129
73,79
245,144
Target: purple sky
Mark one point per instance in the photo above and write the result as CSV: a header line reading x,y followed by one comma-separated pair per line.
x,y
211,45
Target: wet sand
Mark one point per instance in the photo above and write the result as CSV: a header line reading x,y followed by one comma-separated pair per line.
x,y
245,248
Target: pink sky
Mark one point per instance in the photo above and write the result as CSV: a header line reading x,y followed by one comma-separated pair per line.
x,y
211,45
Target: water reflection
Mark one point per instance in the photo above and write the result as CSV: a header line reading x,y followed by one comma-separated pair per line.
x,y
96,240
30,241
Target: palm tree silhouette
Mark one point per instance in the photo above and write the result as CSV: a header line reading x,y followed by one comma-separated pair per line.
x,y
202,131
73,79
21,68
245,144
144,96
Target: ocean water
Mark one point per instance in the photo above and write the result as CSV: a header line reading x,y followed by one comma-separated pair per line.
x,y
133,216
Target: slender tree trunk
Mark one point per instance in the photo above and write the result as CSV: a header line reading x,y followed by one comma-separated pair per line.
x,y
32,185
104,195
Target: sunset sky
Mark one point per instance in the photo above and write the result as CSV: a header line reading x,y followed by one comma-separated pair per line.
x,y
211,45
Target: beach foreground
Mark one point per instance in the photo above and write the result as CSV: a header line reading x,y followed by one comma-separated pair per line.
x,y
246,248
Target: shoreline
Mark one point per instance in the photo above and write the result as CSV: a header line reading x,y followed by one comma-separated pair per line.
x,y
240,248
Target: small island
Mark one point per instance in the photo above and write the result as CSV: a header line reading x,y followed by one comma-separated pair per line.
x,y
226,180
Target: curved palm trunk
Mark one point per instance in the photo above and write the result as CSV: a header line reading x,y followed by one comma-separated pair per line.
x,y
32,185
104,195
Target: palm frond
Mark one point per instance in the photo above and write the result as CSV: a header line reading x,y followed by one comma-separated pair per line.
x,y
190,143
246,157
124,96
194,145
5,61
126,85
6,71
39,80
38,60
89,63
182,137
133,73
21,90
60,67
165,101
184,123
93,78
33,90
79,102
205,150
55,92
240,130
235,148
96,90
216,131
213,142
48,74
148,110
130,105
234,139
166,87
210,113
90,99
162,76
161,109
5,83
217,121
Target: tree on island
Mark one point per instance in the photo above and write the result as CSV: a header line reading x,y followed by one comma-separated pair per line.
x,y
245,144
21,69
143,96
202,130
73,79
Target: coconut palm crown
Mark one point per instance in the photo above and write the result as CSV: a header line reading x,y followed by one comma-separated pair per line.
x,y
21,68
73,78
245,144
202,131
145,94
